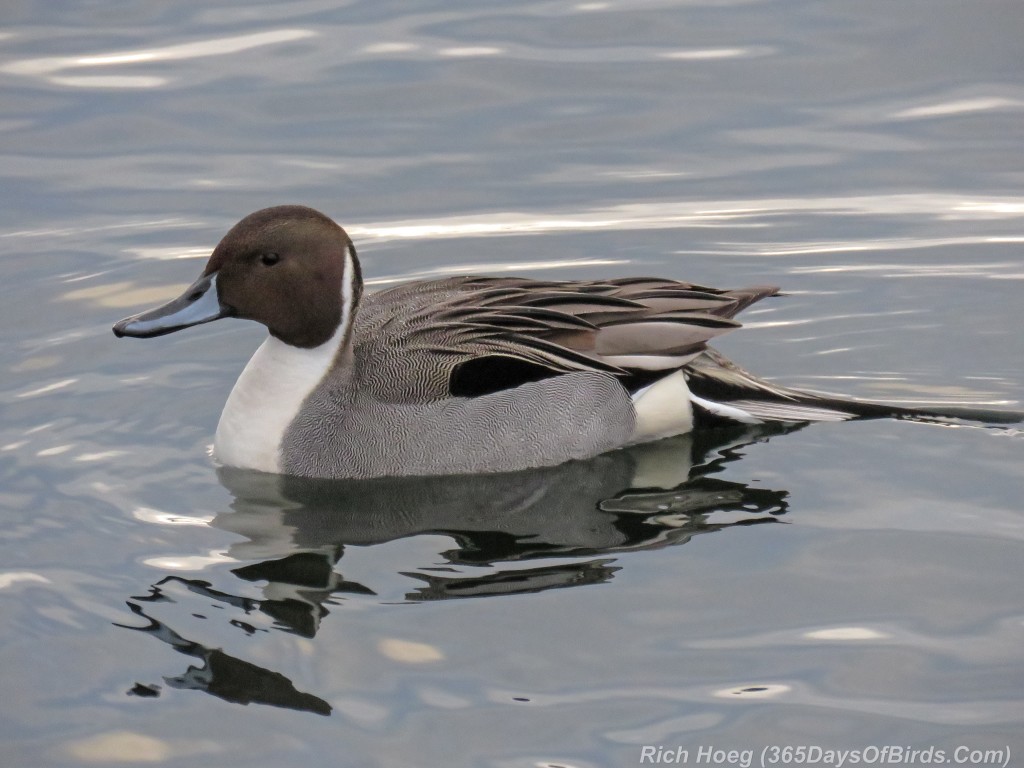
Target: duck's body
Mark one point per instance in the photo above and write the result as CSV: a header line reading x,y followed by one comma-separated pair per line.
x,y
461,375
476,374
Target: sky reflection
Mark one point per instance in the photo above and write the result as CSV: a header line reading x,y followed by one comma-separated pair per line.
x,y
50,68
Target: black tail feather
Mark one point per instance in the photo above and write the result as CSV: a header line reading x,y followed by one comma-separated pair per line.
x,y
718,380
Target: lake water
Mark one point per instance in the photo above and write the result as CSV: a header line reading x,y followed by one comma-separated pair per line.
x,y
860,584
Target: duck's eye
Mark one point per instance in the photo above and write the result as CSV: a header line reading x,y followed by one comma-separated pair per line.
x,y
269,259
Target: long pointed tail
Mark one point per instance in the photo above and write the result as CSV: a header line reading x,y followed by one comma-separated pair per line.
x,y
725,392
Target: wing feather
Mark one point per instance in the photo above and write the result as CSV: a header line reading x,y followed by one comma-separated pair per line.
x,y
429,330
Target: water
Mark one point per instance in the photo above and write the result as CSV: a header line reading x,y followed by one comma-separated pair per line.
x,y
859,584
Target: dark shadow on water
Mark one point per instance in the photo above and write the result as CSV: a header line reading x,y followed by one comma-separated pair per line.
x,y
508,534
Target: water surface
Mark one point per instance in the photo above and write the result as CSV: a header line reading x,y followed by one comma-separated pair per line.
x,y
842,585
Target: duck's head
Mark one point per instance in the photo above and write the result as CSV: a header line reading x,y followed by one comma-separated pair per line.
x,y
290,268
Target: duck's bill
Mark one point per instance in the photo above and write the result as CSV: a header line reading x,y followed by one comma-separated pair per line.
x,y
197,305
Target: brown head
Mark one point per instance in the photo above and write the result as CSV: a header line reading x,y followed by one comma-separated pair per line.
x,y
289,267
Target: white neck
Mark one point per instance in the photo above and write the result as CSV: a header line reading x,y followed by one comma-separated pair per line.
x,y
270,392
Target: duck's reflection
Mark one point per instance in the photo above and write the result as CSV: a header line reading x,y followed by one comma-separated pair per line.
x,y
223,675
572,517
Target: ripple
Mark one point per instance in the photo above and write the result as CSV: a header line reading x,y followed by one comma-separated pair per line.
x,y
159,517
188,562
706,54
958,107
754,691
962,713
49,67
408,651
15,577
469,51
662,214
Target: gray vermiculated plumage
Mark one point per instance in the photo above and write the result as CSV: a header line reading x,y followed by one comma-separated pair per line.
x,y
572,416
388,407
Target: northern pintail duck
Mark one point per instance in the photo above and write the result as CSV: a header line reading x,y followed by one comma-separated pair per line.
x,y
464,374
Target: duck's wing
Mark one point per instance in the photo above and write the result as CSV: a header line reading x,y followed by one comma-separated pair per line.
x,y
475,335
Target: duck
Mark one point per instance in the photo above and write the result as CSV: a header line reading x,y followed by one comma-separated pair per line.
x,y
469,374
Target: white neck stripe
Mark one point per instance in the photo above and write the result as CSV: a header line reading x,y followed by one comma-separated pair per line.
x,y
272,389
348,282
